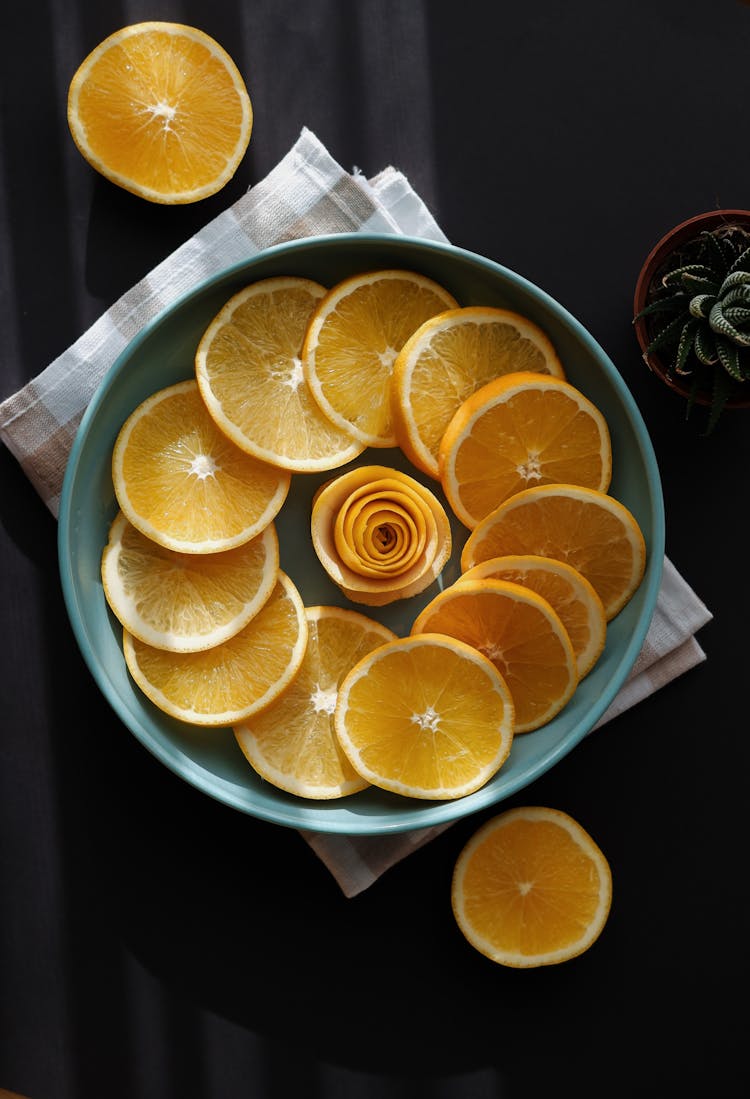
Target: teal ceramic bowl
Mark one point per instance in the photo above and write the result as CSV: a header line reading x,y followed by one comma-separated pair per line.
x,y
163,353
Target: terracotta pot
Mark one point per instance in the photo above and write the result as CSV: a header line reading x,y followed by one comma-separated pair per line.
x,y
677,237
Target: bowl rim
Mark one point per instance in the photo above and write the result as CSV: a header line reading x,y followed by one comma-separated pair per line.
x,y
302,815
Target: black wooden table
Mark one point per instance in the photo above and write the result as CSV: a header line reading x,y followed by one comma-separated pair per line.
x,y
155,943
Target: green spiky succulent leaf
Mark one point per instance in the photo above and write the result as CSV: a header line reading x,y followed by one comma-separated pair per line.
x,y
699,313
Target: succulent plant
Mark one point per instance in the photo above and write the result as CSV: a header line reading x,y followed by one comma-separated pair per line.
x,y
699,313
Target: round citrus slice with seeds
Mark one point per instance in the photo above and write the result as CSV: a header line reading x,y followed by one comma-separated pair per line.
x,y
250,375
519,632
531,888
449,357
353,339
590,530
426,717
292,743
162,110
379,534
231,681
569,594
517,431
185,602
182,482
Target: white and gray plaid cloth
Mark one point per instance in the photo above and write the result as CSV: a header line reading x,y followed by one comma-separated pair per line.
x,y
306,194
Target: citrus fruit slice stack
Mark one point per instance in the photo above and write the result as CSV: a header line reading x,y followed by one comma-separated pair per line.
x,y
519,632
425,717
354,336
518,431
249,371
182,482
213,630
161,110
531,888
292,742
588,529
185,602
379,534
449,357
233,680
569,594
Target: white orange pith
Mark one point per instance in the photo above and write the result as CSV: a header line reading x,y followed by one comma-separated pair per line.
x,y
449,357
354,337
182,482
292,743
425,717
185,602
161,110
531,888
519,431
231,681
249,370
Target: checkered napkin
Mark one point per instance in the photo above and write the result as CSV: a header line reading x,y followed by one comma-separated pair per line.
x,y
306,194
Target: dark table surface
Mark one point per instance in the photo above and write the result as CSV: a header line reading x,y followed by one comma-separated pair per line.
x,y
155,943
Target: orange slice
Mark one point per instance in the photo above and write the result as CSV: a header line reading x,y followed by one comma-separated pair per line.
x,y
449,357
292,743
590,530
183,483
354,337
521,430
185,602
379,534
250,375
231,681
531,888
520,633
161,110
569,594
426,717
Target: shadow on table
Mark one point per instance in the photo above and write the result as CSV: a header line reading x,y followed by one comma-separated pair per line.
x,y
237,918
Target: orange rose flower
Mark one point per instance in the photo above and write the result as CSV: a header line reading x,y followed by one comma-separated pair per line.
x,y
379,534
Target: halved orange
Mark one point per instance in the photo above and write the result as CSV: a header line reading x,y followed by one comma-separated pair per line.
x,y
449,357
569,594
250,375
519,632
231,681
590,530
521,430
185,602
162,110
292,743
354,337
531,888
425,717
182,482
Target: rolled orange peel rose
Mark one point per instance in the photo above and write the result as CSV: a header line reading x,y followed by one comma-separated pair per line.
x,y
379,534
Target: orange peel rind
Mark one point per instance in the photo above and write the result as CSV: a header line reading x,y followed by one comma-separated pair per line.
x,y
379,534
